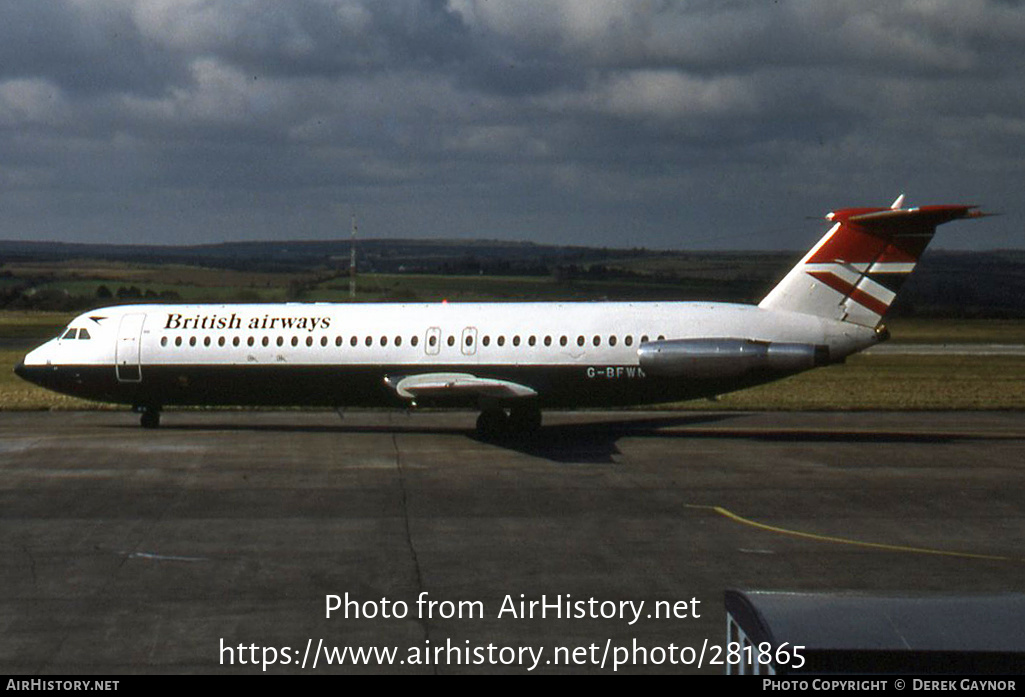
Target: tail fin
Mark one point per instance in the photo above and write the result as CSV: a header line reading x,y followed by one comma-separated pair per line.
x,y
854,272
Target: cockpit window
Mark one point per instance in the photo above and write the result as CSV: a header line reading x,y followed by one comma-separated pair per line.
x,y
70,334
83,334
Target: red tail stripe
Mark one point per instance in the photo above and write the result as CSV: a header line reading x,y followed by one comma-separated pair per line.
x,y
871,302
855,245
851,244
856,294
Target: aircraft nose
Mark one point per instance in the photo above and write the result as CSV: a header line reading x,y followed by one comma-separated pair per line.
x,y
19,369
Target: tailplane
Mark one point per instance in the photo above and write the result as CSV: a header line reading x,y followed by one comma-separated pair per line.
x,y
854,272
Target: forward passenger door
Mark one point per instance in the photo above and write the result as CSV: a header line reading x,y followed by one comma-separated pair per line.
x,y
128,350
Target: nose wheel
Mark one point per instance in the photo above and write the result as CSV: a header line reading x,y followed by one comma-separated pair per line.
x,y
149,417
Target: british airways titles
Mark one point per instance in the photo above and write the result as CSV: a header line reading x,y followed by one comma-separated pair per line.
x,y
176,320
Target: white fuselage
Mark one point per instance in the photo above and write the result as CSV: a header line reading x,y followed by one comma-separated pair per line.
x,y
167,354
401,334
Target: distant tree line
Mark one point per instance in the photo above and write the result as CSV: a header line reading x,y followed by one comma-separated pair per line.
x,y
135,293
23,296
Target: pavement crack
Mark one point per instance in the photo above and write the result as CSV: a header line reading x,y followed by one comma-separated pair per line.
x,y
418,574
31,564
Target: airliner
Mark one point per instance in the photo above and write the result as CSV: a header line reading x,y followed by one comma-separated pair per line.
x,y
507,360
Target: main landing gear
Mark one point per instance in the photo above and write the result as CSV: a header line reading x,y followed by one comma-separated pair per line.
x,y
516,422
149,415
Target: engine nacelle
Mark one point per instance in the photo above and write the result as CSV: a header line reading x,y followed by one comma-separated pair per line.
x,y
725,358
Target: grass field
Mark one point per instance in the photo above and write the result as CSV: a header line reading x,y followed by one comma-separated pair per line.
x,y
893,383
28,326
864,382
82,279
434,288
957,331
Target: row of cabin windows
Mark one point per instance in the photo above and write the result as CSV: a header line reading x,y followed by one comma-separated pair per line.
x,y
581,340
432,340
280,341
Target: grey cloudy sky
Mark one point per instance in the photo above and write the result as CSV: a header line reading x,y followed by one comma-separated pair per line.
x,y
689,124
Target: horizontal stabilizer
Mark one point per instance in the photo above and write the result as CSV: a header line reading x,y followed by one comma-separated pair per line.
x,y
456,385
896,221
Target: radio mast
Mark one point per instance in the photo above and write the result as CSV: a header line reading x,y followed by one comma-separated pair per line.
x,y
352,260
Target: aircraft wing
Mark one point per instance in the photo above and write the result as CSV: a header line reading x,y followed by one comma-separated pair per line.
x,y
456,385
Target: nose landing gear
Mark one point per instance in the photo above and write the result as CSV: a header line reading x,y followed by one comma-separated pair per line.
x,y
149,415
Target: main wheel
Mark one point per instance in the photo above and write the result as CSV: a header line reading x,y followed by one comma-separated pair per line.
x,y
524,420
150,418
492,423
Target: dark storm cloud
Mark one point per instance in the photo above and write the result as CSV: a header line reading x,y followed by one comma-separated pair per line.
x,y
312,38
83,49
609,121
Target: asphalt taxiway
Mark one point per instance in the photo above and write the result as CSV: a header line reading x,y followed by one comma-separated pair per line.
x,y
149,551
